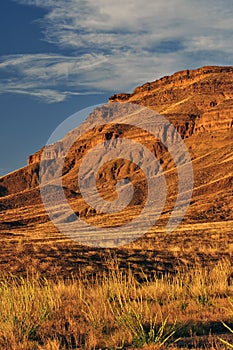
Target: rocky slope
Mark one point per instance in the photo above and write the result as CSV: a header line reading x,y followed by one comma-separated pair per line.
x,y
199,103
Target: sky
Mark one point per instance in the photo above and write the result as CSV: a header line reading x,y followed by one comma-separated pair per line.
x,y
59,56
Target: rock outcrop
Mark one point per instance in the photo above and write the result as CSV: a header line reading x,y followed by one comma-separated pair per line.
x,y
217,119
194,100
49,153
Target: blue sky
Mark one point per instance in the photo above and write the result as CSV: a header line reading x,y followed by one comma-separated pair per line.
x,y
58,56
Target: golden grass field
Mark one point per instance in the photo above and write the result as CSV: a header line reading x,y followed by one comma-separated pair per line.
x,y
57,294
189,309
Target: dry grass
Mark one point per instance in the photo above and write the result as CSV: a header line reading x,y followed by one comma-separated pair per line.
x,y
115,311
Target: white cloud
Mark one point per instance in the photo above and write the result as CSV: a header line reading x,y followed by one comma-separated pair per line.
x,y
115,45
80,23
47,76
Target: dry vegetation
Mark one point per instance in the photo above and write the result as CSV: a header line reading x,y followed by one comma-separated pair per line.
x,y
115,311
163,290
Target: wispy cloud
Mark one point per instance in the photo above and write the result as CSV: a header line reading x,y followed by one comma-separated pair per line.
x,y
115,45
49,77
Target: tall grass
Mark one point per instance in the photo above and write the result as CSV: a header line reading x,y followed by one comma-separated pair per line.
x,y
113,310
25,304
230,329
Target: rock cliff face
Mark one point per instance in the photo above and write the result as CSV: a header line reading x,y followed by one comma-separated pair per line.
x,y
217,119
50,152
210,79
194,100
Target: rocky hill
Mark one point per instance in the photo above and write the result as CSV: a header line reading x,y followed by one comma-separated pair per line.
x,y
195,100
199,103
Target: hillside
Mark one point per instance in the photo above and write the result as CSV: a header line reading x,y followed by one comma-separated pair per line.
x,y
199,104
